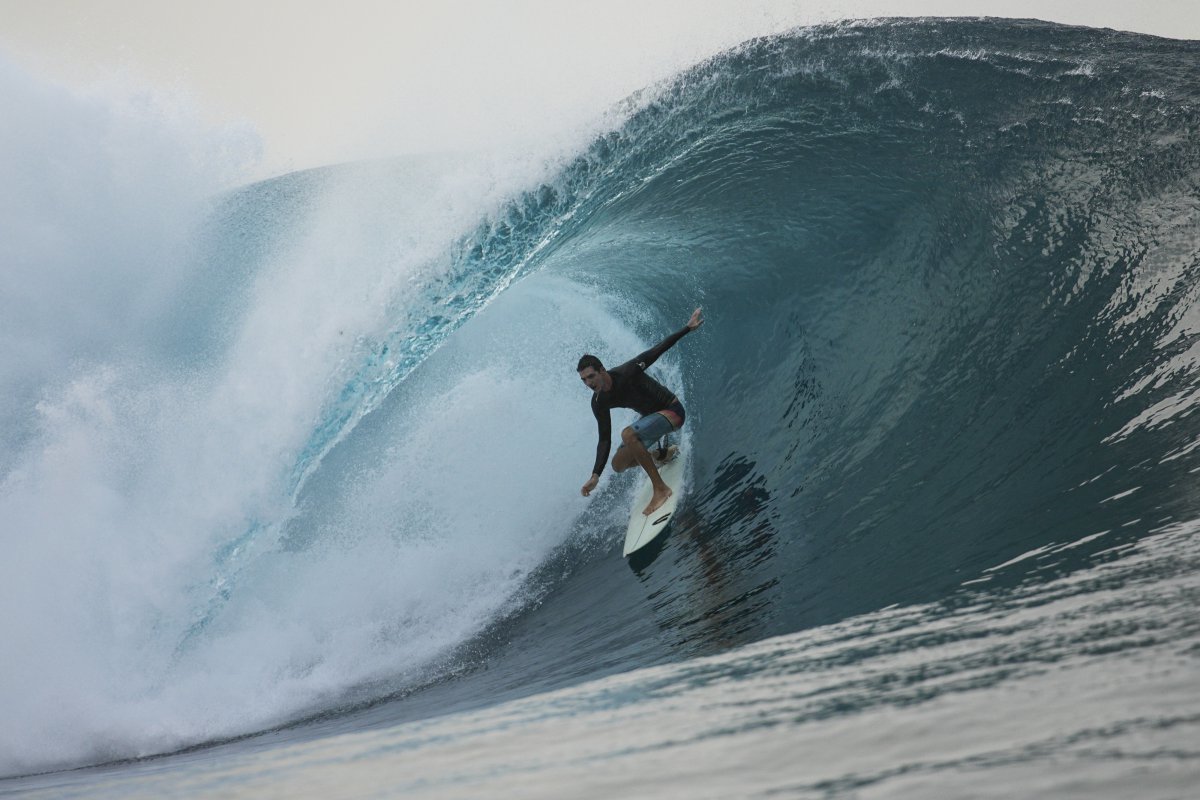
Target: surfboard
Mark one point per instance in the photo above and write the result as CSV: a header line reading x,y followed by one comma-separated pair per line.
x,y
644,529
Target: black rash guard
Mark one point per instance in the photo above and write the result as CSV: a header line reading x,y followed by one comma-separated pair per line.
x,y
632,388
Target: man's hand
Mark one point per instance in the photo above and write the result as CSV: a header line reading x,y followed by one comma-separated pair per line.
x,y
696,321
590,485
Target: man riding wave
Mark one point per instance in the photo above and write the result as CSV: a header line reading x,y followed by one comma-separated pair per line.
x,y
628,386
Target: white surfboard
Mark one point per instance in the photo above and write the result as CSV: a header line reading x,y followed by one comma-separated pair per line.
x,y
642,528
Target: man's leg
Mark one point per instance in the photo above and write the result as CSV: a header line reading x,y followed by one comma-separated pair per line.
x,y
624,459
638,452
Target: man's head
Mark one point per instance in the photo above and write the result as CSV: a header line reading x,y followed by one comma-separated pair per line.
x,y
592,373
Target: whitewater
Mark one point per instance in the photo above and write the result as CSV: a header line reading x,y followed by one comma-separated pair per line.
x,y
289,483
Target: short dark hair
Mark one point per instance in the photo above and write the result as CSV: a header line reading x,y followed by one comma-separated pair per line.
x,y
589,361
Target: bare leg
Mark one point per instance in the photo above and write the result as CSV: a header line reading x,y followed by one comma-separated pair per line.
x,y
623,460
639,453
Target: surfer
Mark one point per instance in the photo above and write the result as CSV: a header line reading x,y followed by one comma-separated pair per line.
x,y
628,386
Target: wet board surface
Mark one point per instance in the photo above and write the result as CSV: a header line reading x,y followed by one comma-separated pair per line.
x,y
644,529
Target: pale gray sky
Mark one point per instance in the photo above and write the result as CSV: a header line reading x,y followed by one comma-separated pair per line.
x,y
324,82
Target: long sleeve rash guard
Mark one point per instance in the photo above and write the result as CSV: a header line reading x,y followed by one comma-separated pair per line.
x,y
631,388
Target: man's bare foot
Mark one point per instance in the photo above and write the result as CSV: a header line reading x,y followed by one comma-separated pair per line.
x,y
660,497
669,453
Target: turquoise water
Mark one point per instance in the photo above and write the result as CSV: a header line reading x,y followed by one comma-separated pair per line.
x,y
939,537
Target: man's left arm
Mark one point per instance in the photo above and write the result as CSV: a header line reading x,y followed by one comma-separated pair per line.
x,y
650,356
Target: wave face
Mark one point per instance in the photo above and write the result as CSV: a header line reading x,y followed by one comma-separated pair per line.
x,y
950,276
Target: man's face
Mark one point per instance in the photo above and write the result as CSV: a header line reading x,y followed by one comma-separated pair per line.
x,y
592,378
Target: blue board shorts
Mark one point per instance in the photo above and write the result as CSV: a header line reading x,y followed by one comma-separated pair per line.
x,y
652,427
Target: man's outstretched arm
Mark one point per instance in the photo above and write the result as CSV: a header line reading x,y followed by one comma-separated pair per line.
x,y
650,356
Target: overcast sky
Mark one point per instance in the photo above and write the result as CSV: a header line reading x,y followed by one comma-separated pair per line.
x,y
324,82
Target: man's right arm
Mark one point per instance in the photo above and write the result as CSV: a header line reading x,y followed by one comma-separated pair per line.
x,y
604,442
603,446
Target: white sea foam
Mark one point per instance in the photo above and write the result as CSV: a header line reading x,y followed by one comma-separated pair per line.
x,y
125,472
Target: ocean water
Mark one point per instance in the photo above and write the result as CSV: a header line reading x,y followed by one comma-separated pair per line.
x,y
289,484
